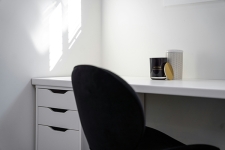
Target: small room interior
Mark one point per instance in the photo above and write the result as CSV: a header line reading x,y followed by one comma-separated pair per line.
x,y
47,38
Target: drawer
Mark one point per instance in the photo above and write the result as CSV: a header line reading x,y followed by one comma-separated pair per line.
x,y
58,118
53,139
56,99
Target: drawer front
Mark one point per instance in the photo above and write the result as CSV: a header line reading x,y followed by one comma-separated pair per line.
x,y
56,99
50,139
58,118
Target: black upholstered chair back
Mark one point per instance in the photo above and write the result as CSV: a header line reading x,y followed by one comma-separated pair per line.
x,y
110,112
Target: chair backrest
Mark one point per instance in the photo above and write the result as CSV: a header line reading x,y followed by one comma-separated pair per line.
x,y
110,112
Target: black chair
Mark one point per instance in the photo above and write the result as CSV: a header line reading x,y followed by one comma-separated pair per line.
x,y
112,116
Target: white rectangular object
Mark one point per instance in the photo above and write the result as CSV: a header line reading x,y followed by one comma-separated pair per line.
x,y
175,58
179,2
68,119
49,139
47,98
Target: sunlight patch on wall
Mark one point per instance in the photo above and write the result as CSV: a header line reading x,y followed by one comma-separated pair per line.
x,y
55,36
75,39
50,8
74,19
59,28
40,34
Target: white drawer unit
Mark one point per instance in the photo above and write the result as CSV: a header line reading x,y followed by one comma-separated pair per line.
x,y
56,98
58,117
57,121
51,138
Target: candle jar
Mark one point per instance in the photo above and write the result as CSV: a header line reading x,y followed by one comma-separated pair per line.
x,y
157,68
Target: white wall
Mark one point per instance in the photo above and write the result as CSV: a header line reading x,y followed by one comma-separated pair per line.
x,y
24,54
134,30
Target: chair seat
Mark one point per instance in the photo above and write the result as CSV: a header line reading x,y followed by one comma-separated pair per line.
x,y
156,140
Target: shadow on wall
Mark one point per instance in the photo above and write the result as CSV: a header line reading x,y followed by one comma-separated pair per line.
x,y
16,127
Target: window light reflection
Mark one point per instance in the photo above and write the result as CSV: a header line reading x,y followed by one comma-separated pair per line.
x,y
55,36
74,18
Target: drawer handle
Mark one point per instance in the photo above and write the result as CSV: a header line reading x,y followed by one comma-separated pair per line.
x,y
58,91
59,110
58,129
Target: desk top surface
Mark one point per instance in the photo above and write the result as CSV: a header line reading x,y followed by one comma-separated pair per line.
x,y
189,87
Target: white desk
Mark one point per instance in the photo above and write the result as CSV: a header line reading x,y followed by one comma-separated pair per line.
x,y
196,88
47,100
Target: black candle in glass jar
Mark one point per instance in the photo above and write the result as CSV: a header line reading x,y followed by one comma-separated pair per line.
x,y
157,68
